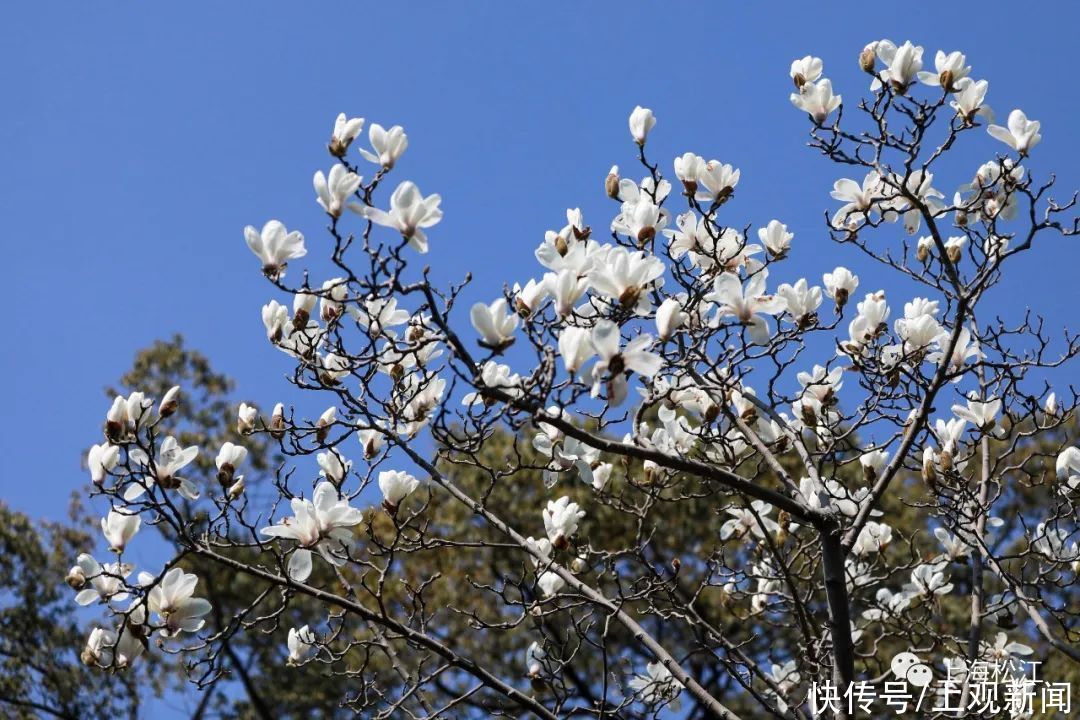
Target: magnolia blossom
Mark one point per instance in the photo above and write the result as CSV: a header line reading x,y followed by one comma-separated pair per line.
x,y
775,237
345,131
903,65
873,538
101,459
302,645
970,100
170,402
806,70
163,471
669,318
657,686
613,362
172,599
575,347
333,466
816,100
955,548
873,462
109,649
928,580
801,301
948,70
118,528
641,122
245,419
566,287
981,414
840,284
322,524
396,486
106,581
716,181
410,212
494,323
275,247
1068,469
550,583
333,192
1021,134
754,519
561,518
389,145
746,304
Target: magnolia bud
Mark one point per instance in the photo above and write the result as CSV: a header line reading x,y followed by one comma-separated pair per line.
x,y
277,422
76,578
170,402
579,564
611,184
237,488
560,245
88,657
922,252
867,60
337,147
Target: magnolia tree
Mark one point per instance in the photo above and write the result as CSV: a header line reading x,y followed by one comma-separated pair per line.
x,y
672,363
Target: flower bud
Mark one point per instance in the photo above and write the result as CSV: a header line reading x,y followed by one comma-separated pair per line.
x,y
867,60
579,564
277,422
611,184
76,578
170,402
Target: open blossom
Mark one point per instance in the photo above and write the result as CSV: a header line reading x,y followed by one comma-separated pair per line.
x,y
981,414
613,362
746,304
575,347
642,121
173,600
106,581
775,237
410,212
873,462
806,70
669,318
657,686
859,200
754,519
625,277
494,323
902,65
550,583
101,459
928,580
163,471
640,219
275,247
873,538
345,131
321,524
1068,469
970,100
333,466
688,168
302,645
561,518
948,70
800,300
389,145
717,181
1021,134
108,648
396,486
817,100
334,190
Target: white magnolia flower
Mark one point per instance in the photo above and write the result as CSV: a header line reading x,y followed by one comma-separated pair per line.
x,y
550,583
840,284
902,67
641,122
275,247
966,348
669,318
859,200
949,69
746,304
1053,543
928,580
173,600
575,347
1003,651
566,287
717,181
744,520
322,524
302,645
106,581
817,100
1068,469
163,471
345,131
561,518
245,419
494,323
101,460
657,686
534,660
410,212
981,414
800,300
333,191
873,538
1021,134
806,70
613,362
955,548
228,459
108,649
118,528
379,314
389,145
333,466
970,101
528,297
775,237
688,168
396,486
873,462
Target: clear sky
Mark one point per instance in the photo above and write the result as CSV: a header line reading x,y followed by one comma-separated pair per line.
x,y
139,138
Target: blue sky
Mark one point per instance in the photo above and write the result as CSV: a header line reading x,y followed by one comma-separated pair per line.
x,y
139,139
